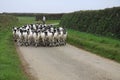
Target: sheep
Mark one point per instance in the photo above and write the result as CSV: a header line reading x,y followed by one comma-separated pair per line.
x,y
56,37
35,38
30,37
14,29
49,37
43,37
64,36
39,34
25,37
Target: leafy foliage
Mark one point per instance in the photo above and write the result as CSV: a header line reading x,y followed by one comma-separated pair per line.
x,y
7,20
101,22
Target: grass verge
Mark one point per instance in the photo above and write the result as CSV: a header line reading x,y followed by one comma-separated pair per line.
x,y
10,65
10,68
103,46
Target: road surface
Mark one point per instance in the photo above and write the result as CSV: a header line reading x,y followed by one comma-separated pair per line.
x,y
68,63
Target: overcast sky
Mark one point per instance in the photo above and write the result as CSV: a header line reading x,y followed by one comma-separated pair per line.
x,y
54,6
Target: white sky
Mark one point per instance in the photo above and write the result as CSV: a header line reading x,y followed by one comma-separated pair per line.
x,y
55,6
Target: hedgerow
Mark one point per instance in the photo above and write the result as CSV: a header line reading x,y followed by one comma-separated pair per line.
x,y
101,22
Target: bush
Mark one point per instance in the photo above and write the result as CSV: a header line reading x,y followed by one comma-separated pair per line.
x,y
101,22
7,20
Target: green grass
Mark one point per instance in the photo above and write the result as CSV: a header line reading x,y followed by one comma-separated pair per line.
x,y
26,20
52,21
10,66
29,20
103,46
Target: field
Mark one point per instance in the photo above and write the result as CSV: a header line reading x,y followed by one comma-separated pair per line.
x,y
30,20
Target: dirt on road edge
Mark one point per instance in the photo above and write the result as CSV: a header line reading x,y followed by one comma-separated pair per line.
x,y
24,65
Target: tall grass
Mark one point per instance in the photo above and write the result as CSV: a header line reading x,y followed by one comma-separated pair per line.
x,y
7,20
103,46
10,65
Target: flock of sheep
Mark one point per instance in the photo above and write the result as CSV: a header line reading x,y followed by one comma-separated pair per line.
x,y
39,35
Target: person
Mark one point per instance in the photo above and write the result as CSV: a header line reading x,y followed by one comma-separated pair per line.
x,y
44,19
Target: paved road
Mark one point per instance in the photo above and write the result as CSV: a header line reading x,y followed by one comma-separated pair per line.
x,y
68,63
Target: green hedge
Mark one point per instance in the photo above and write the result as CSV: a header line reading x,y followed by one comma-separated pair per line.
x,y
101,22
7,20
